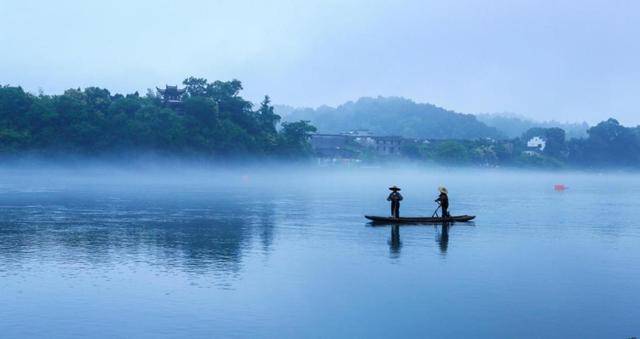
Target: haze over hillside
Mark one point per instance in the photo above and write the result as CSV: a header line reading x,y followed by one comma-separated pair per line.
x,y
404,117
395,116
513,125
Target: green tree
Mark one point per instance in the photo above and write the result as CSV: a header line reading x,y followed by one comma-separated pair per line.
x,y
294,138
267,117
196,87
451,151
611,144
555,143
204,109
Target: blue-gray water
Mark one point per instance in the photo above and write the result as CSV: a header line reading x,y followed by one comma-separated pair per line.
x,y
250,253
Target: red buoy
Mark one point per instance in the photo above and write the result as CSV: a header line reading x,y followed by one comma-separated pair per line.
x,y
559,187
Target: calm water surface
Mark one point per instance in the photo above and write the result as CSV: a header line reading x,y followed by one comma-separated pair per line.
x,y
288,254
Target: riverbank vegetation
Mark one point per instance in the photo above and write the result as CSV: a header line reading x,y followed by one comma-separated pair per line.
x,y
608,144
206,119
212,121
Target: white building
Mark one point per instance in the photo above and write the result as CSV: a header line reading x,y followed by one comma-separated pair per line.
x,y
537,142
360,133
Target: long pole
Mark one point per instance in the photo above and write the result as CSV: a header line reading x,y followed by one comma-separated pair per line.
x,y
435,213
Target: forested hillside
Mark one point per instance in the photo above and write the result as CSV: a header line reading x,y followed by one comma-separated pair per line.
x,y
396,116
210,119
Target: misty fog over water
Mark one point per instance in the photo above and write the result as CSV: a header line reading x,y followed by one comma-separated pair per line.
x,y
277,250
209,169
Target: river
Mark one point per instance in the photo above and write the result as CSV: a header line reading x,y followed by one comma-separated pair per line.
x,y
287,253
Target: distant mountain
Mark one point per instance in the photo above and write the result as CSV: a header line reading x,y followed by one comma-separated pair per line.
x,y
394,116
513,125
283,111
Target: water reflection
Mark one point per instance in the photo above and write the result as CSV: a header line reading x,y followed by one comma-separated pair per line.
x,y
443,238
267,226
203,236
394,242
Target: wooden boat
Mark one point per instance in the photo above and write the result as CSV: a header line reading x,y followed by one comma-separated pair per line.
x,y
419,220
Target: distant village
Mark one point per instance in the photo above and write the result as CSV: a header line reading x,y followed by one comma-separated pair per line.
x,y
355,145
361,145
382,129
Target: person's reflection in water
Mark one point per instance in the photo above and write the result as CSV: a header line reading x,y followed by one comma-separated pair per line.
x,y
443,238
394,242
266,226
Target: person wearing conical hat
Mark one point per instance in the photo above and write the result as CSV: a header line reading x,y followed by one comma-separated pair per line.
x,y
395,197
443,200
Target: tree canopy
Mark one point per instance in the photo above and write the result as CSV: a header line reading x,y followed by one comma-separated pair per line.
x,y
211,120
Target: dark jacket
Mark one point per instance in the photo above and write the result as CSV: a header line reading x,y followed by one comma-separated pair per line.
x,y
394,196
443,199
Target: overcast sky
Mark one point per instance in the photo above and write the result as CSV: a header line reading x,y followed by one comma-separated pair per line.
x,y
563,60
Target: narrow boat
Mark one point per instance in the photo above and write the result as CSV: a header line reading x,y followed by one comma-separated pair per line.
x,y
419,220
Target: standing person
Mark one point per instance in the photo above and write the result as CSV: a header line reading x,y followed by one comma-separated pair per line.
x,y
443,200
395,197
